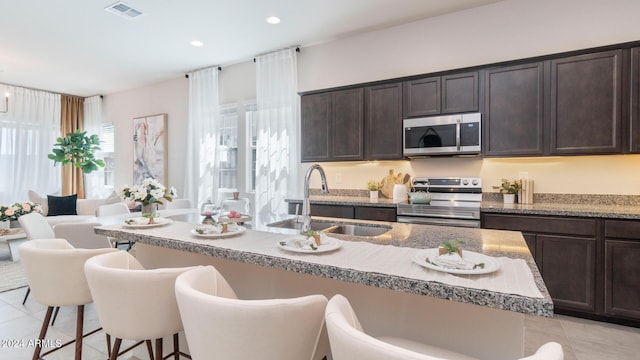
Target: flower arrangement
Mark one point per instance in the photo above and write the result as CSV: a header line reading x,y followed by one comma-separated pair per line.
x,y
373,185
13,212
149,193
509,186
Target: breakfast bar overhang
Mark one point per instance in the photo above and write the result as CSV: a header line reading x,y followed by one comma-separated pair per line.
x,y
478,315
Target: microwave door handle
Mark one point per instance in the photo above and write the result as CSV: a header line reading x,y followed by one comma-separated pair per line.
x,y
458,134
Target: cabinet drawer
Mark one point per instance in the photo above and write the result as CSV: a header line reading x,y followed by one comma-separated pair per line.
x,y
541,224
622,229
375,213
338,211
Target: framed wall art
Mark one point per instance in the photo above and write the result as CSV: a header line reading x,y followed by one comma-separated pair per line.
x,y
150,148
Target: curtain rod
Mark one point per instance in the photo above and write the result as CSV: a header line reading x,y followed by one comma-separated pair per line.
x,y
297,50
187,75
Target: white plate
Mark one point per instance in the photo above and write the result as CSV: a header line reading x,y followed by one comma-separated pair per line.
x,y
142,222
239,230
330,245
490,264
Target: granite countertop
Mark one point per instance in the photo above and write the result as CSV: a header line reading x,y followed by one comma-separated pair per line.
x,y
496,243
581,208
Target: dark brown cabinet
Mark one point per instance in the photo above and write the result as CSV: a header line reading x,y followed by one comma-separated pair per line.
x,y
349,211
447,94
315,141
564,249
347,124
383,122
622,268
634,136
586,104
332,126
514,110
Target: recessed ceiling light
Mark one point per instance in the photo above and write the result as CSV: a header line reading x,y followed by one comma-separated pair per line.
x,y
273,20
197,43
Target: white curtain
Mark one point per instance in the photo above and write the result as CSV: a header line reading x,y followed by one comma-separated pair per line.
x,y
94,181
277,158
27,134
201,177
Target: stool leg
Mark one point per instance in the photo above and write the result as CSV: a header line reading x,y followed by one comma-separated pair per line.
x,y
176,347
55,315
79,329
43,333
26,295
108,344
159,349
116,349
149,349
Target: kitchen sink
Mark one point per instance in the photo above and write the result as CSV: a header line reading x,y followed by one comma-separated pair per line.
x,y
335,228
293,224
358,230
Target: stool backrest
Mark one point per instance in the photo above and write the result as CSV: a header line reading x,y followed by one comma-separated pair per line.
x,y
81,235
112,209
35,226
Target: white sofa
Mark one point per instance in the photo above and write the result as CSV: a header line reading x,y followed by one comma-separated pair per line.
x,y
85,208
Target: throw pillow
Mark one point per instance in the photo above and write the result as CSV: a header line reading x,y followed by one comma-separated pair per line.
x,y
62,205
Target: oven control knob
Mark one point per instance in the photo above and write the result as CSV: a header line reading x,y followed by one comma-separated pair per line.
x,y
474,182
465,182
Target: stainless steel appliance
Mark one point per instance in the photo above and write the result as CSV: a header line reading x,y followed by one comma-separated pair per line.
x,y
455,201
443,135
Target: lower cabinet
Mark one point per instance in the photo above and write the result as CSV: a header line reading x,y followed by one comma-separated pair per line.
x,y
622,268
349,212
591,266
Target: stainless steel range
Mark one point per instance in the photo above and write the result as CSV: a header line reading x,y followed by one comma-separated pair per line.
x,y
455,201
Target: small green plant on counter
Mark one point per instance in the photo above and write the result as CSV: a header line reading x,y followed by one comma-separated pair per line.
x,y
452,246
373,185
508,186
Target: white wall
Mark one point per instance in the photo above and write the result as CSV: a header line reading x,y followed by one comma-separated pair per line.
x,y
506,30
121,108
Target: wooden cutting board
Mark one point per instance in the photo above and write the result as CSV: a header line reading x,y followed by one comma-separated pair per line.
x,y
389,181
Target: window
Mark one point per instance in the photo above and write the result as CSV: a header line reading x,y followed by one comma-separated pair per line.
x,y
107,146
251,118
228,147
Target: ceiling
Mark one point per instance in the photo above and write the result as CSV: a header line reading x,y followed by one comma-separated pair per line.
x,y
77,47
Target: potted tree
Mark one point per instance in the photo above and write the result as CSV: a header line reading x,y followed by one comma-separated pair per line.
x,y
77,149
508,189
374,188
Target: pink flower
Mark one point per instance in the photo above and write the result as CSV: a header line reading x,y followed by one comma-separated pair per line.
x,y
207,213
26,207
38,208
9,212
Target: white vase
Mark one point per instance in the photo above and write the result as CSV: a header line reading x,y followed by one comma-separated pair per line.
x,y
400,192
373,194
509,198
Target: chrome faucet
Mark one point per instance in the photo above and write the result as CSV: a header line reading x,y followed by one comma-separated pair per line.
x,y
306,207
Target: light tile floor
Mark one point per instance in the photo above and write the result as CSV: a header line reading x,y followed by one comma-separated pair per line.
x,y
581,339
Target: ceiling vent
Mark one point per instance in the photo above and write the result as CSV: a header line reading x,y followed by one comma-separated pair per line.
x,y
123,10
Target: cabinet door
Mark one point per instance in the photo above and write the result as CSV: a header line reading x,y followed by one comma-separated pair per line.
x,y
338,211
568,268
635,100
514,110
347,107
375,213
586,104
422,97
315,127
622,278
460,93
383,122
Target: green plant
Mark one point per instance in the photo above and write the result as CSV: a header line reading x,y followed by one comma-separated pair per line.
x,y
373,185
452,246
77,149
509,186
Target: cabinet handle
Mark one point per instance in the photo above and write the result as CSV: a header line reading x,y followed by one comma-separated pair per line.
x,y
458,134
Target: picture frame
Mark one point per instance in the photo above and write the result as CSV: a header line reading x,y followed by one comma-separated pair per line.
x,y
150,148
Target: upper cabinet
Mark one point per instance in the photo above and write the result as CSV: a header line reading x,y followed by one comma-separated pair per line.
x,y
448,94
514,110
332,126
634,133
586,104
383,122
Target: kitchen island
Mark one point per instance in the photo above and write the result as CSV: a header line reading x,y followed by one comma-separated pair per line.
x,y
480,315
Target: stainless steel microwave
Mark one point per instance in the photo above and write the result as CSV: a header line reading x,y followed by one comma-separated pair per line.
x,y
458,134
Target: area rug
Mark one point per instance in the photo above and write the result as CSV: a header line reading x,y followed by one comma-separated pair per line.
x,y
12,274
